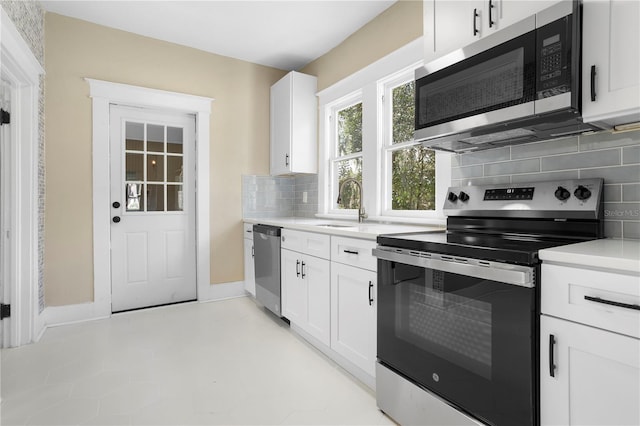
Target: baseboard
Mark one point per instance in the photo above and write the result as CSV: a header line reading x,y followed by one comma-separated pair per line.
x,y
222,291
71,314
364,377
53,316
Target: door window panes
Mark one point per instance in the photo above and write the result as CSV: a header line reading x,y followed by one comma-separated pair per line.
x,y
174,140
155,138
154,168
134,136
174,198
134,169
174,168
155,198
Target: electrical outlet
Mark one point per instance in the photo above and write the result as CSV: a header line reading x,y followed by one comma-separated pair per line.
x,y
304,197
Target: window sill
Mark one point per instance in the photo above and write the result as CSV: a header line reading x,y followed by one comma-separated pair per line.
x,y
385,219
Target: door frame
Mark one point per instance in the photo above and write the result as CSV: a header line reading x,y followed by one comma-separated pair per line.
x,y
21,204
103,94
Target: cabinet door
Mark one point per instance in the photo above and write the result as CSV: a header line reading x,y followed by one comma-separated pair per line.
x,y
353,315
293,288
454,23
249,268
281,106
611,47
509,12
596,377
318,283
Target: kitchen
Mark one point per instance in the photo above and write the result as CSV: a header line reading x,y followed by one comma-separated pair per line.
x,y
100,53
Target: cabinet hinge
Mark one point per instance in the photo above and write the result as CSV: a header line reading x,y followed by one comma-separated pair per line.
x,y
5,117
5,311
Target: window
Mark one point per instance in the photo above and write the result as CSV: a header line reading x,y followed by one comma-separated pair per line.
x,y
366,133
347,156
409,168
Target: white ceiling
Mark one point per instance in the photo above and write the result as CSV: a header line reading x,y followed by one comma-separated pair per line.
x,y
280,34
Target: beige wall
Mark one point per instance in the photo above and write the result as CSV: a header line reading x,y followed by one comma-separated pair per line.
x,y
239,126
392,29
239,139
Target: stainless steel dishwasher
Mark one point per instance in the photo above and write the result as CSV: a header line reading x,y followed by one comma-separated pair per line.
x,y
266,244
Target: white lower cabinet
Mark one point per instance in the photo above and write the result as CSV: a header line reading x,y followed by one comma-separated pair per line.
x,y
249,267
306,293
353,315
596,379
589,346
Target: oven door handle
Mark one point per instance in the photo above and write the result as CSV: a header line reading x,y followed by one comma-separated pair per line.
x,y
495,271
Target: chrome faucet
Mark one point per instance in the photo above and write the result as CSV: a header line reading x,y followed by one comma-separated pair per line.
x,y
361,213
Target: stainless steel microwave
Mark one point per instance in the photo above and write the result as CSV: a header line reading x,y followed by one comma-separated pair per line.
x,y
520,84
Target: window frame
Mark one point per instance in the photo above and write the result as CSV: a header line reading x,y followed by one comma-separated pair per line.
x,y
387,148
367,83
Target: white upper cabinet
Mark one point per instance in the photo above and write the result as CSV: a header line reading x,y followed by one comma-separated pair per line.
x,y
451,25
611,61
293,125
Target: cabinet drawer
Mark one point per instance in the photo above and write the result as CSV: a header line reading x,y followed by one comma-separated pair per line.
x,y
307,242
248,230
354,252
605,300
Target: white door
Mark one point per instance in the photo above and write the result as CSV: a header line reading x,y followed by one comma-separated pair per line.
x,y
153,253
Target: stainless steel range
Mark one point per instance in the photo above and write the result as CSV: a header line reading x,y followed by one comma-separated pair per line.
x,y
458,312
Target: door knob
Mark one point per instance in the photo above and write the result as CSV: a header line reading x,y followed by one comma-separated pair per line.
x,y
116,205
116,219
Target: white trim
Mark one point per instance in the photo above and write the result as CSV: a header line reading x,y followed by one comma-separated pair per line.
x,y
22,70
215,292
104,93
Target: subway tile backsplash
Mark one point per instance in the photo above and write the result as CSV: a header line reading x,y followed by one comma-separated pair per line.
x,y
615,157
279,196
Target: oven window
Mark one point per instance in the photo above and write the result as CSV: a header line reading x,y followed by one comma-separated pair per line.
x,y
446,317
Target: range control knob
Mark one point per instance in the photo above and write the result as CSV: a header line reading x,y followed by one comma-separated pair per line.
x,y
582,193
452,197
562,193
464,197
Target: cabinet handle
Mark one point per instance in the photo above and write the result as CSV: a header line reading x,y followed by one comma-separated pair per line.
x,y
612,303
593,83
370,296
552,366
303,274
297,268
253,251
350,251
475,18
491,6
249,231
286,160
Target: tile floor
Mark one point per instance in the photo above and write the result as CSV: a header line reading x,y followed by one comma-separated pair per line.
x,y
227,362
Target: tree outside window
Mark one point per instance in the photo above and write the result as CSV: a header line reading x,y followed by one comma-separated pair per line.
x,y
348,160
413,167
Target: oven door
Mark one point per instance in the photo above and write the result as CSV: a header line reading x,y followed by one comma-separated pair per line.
x,y
454,327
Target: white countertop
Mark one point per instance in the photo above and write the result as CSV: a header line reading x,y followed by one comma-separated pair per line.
x,y
608,253
365,230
